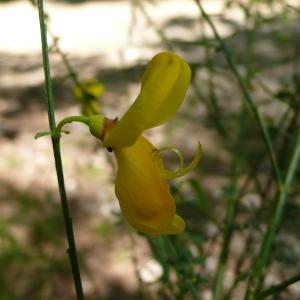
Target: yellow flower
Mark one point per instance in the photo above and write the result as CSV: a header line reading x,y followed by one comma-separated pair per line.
x,y
140,186
143,193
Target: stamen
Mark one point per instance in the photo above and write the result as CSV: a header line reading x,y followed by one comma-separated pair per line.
x,y
181,171
157,155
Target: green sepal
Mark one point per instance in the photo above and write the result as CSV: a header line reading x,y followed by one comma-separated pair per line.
x,y
41,134
96,126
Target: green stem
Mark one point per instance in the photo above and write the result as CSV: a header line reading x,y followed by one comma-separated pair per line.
x,y
247,95
217,291
278,287
81,119
68,220
256,276
222,261
57,157
48,81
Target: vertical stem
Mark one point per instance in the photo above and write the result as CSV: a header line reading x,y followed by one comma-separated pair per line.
x,y
47,74
256,276
68,220
222,261
57,157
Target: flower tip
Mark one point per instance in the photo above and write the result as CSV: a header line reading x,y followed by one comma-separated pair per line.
x,y
178,225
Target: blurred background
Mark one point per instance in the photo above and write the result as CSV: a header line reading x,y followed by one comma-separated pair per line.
x,y
104,47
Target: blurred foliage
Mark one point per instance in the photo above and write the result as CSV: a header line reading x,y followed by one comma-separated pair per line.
x,y
88,93
28,248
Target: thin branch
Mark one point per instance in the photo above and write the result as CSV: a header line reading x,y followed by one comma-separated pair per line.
x,y
247,95
57,156
278,287
256,276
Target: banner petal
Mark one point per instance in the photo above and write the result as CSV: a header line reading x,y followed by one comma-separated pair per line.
x,y
164,85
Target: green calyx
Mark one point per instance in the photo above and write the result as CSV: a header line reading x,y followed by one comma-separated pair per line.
x,y
95,124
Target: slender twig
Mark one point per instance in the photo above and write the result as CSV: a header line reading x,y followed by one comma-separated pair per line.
x,y
239,277
257,273
135,262
231,212
283,152
278,287
57,157
215,110
230,217
256,276
47,73
194,292
247,95
227,234
158,30
71,72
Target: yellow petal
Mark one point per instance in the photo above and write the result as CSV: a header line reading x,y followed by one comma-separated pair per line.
x,y
176,227
144,197
164,85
